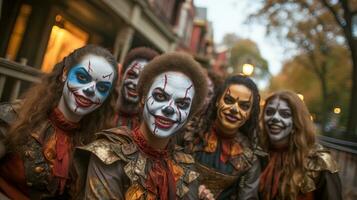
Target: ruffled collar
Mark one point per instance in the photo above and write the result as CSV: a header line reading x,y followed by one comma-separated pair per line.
x,y
145,148
59,120
230,147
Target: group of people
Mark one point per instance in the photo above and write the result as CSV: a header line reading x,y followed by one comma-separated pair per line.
x,y
158,127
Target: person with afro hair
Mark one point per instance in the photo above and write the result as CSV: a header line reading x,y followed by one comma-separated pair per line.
x,y
145,163
128,101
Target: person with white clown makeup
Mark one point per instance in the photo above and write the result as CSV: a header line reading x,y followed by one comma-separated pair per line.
x,y
144,163
62,112
128,102
298,167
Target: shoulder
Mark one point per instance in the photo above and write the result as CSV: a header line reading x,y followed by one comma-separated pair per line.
x,y
320,159
9,112
112,145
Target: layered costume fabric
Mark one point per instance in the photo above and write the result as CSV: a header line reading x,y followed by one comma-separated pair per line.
x,y
44,163
227,163
41,133
122,162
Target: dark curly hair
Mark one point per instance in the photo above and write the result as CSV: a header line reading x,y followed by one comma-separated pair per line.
x,y
251,126
43,97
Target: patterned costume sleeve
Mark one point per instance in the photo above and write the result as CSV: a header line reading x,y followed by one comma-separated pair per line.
x,y
104,181
249,183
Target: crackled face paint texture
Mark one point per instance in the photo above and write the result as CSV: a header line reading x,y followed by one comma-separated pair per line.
x,y
233,108
168,103
278,119
131,78
88,84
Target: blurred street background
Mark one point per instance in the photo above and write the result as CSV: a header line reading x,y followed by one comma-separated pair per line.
x,y
308,46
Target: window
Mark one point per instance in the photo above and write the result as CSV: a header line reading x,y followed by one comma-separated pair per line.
x,y
18,32
64,38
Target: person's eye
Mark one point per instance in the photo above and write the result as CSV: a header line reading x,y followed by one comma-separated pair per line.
x,y
269,111
182,104
158,96
82,78
245,106
228,100
132,74
102,88
284,113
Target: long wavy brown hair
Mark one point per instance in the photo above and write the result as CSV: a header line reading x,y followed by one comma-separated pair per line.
x,y
301,141
43,97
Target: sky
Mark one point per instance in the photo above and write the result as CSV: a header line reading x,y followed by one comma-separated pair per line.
x,y
229,16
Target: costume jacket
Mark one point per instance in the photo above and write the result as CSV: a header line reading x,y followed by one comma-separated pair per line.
x,y
320,181
41,169
123,166
228,167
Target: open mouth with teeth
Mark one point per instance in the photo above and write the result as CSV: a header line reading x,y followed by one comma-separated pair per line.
x,y
163,122
231,118
82,101
275,129
131,91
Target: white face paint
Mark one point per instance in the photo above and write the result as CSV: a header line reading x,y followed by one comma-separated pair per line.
x,y
278,119
87,85
130,80
168,103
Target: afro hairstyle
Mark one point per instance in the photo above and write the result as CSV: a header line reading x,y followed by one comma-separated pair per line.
x,y
175,62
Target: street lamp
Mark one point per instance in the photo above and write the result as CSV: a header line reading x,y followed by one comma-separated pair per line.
x,y
248,69
301,96
337,110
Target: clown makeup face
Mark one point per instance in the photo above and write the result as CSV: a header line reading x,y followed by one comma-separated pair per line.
x,y
87,85
168,103
131,78
234,108
278,120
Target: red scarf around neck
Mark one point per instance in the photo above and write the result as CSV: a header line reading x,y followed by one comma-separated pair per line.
x,y
160,179
64,131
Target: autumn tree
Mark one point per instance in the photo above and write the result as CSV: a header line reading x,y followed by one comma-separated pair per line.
x,y
311,26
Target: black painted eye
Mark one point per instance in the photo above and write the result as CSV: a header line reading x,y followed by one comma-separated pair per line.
x,y
285,113
270,111
244,106
228,100
158,96
132,74
182,104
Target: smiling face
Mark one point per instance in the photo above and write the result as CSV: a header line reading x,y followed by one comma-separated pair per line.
x,y
233,108
87,85
130,80
278,119
168,103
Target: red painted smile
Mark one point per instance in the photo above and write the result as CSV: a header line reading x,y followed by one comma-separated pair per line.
x,y
82,101
163,122
131,92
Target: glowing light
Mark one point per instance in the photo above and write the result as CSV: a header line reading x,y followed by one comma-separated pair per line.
x,y
301,96
248,69
337,110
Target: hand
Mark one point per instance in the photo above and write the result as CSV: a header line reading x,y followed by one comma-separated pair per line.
x,y
204,193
